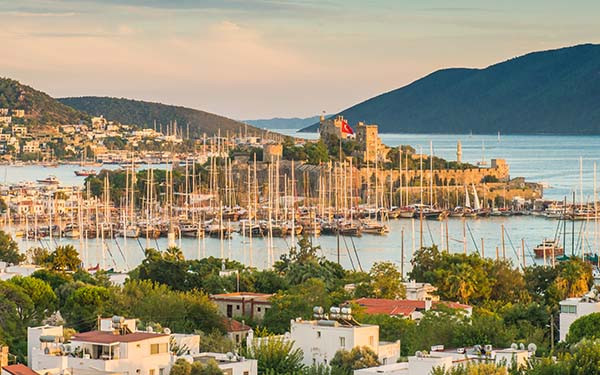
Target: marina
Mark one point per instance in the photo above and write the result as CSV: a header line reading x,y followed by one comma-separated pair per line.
x,y
368,233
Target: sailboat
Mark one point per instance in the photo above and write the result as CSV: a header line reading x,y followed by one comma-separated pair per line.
x,y
482,162
477,206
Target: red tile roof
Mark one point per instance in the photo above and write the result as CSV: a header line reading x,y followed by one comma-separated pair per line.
x,y
232,325
401,307
19,370
102,337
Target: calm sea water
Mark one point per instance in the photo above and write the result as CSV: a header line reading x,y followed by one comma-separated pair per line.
x,y
553,160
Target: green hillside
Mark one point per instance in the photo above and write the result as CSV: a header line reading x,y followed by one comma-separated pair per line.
x,y
128,111
39,107
553,92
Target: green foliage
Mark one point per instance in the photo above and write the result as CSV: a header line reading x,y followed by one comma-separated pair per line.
x,y
298,301
39,256
39,107
65,258
84,305
357,358
472,369
181,367
468,278
9,250
586,327
275,356
387,281
215,342
41,294
180,311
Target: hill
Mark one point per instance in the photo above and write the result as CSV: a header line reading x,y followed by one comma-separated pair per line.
x,y
553,92
142,113
283,123
39,107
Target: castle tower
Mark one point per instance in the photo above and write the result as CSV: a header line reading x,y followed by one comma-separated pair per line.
x,y
459,152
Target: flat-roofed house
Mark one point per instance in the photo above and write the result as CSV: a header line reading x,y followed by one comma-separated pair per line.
x,y
253,305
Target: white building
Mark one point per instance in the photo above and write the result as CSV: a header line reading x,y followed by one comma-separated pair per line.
x,y
420,291
320,339
117,348
422,363
572,309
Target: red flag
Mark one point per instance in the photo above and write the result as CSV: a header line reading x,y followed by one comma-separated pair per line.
x,y
346,129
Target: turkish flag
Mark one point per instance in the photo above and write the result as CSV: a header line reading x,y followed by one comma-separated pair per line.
x,y
346,129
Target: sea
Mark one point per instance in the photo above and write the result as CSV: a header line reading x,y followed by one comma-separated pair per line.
x,y
563,164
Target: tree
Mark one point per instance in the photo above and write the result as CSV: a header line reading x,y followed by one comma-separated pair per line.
x,y
215,342
9,250
274,355
357,358
156,303
65,258
181,367
41,294
173,253
298,301
387,281
209,368
586,327
472,369
84,305
574,278
39,256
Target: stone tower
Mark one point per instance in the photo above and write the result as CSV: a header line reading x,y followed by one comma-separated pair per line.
x,y
458,152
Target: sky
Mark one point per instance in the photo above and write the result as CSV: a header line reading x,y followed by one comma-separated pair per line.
x,y
249,59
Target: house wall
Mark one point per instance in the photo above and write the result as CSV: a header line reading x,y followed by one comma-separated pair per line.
x,y
319,343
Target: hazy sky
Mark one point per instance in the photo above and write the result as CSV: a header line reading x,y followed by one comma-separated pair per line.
x,y
263,58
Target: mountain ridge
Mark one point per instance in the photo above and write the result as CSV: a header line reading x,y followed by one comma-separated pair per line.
x,y
40,108
145,113
548,92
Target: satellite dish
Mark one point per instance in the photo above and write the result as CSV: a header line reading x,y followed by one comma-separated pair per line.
x,y
522,346
149,329
419,354
167,331
229,355
532,348
514,346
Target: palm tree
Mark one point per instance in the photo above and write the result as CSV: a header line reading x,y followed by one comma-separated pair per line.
x,y
173,253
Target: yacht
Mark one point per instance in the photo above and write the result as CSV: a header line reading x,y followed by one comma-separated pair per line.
x,y
550,248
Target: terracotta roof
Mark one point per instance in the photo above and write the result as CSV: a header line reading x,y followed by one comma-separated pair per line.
x,y
401,307
19,370
102,337
232,325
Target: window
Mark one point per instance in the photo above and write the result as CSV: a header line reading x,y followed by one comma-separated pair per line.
x,y
568,309
342,342
161,371
258,309
237,307
151,372
158,349
318,334
230,311
371,340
